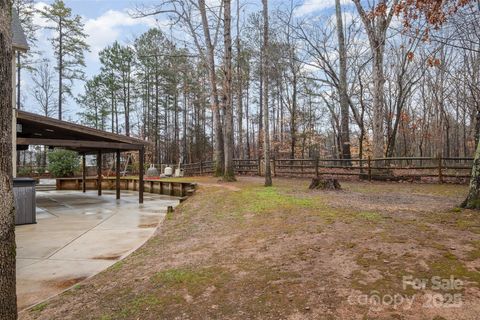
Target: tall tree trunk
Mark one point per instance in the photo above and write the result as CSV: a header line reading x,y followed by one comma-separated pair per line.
x,y
19,78
260,108
473,198
217,125
185,113
8,298
265,72
342,88
127,105
247,118
293,116
376,29
229,172
176,149
239,89
378,103
60,70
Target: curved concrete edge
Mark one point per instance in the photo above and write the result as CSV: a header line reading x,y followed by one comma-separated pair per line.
x,y
152,231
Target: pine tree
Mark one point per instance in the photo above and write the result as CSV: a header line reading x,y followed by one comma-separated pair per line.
x,y
119,61
69,46
95,103
147,48
117,64
161,69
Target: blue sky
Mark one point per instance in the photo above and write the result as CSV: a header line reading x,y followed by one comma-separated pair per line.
x,y
108,20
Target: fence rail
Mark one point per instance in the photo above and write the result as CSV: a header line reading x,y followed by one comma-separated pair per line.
x,y
440,169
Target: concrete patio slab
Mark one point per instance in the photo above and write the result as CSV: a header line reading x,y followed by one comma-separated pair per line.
x,y
47,278
79,235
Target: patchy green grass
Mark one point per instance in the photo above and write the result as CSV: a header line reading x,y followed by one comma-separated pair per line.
x,y
369,216
134,308
39,307
193,280
266,199
475,253
117,265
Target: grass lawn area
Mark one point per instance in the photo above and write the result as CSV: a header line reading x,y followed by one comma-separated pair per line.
x,y
243,251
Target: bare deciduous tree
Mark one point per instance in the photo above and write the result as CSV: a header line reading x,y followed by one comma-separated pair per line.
x,y
45,91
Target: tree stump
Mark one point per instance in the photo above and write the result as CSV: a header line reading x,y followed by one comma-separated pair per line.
x,y
325,184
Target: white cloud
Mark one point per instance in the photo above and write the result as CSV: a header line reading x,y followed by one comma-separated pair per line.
x,y
108,27
38,20
311,6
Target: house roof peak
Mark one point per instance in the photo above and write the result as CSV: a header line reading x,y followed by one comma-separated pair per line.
x,y
19,40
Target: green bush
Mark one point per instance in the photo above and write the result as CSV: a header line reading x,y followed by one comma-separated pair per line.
x,y
63,163
41,170
24,171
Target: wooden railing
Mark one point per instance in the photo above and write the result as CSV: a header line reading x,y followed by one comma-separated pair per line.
x,y
158,186
400,168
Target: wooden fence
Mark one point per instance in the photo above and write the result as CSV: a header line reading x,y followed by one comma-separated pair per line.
x,y
394,169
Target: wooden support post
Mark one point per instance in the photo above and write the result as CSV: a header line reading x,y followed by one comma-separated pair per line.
x,y
99,172
259,166
201,167
301,166
440,174
117,175
369,164
84,174
274,167
140,181
316,167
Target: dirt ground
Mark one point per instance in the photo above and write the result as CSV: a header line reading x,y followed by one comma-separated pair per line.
x,y
242,251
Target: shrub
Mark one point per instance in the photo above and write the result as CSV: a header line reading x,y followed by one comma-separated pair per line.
x,y
62,163
24,171
41,170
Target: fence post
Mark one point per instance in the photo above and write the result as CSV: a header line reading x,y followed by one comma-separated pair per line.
x,y
369,168
201,167
274,168
440,176
316,166
259,166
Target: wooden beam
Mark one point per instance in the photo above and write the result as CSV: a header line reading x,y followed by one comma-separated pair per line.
x,y
99,172
84,174
117,175
141,169
78,144
76,128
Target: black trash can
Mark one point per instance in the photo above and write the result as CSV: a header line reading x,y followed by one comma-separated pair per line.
x,y
25,204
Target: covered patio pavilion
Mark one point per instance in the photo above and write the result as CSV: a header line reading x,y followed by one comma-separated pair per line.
x,y
33,129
